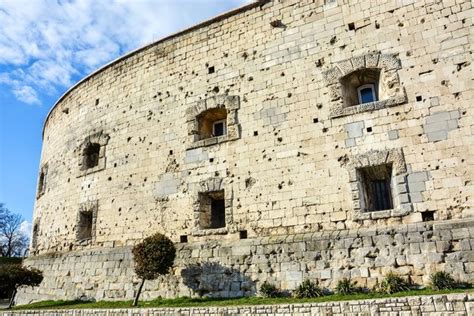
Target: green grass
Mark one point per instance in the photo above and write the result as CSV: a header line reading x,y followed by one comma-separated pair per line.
x,y
196,302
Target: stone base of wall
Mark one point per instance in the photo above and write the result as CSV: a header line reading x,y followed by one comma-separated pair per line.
x,y
237,268
451,304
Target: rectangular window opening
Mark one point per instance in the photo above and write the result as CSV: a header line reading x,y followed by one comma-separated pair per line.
x,y
375,184
212,210
218,128
84,226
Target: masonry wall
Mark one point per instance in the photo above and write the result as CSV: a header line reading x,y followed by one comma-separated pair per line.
x,y
288,162
228,269
459,304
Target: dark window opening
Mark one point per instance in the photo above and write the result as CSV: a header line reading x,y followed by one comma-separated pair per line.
x,y
427,216
369,129
375,183
212,210
243,234
419,98
183,238
34,237
41,184
211,70
84,226
219,128
212,123
351,26
91,155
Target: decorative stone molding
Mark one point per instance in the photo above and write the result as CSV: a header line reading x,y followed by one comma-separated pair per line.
x,y
212,185
100,138
391,93
401,200
41,187
230,103
87,207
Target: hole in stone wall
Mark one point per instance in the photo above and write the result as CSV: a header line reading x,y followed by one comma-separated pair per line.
x,y
243,234
171,152
211,70
369,129
212,123
351,26
427,216
212,209
419,98
211,160
91,155
84,226
183,238
315,120
255,133
96,101
375,185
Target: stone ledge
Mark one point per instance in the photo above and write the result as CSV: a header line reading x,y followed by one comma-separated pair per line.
x,y
458,303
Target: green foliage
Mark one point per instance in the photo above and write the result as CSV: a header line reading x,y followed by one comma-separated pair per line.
x,y
10,260
269,290
345,287
308,289
14,276
154,256
442,281
392,283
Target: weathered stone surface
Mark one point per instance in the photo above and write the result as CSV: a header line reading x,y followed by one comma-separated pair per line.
x,y
288,164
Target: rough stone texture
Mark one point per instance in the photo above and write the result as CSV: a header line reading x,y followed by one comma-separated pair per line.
x,y
226,268
449,304
284,164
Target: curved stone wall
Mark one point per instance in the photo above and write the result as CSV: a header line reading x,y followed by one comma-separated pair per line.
x,y
291,159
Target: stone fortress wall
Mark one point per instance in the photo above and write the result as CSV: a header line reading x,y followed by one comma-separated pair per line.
x,y
127,153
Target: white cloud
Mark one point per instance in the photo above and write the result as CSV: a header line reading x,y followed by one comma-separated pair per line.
x,y
48,44
25,228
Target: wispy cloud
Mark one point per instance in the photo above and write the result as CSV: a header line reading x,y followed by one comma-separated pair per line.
x,y
46,45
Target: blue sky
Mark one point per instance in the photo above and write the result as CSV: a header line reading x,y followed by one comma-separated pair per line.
x,y
48,45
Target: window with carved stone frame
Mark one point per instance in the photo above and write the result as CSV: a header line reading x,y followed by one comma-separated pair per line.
x,y
209,115
206,193
91,153
391,164
345,79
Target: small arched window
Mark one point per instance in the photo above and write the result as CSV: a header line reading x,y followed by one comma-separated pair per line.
x,y
367,93
91,155
361,86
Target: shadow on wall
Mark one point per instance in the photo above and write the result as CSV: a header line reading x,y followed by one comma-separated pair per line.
x,y
210,279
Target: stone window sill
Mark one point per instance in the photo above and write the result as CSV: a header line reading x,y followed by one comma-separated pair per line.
x,y
397,212
366,107
100,166
210,231
212,141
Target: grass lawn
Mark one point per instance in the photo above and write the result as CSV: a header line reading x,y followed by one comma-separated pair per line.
x,y
196,302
